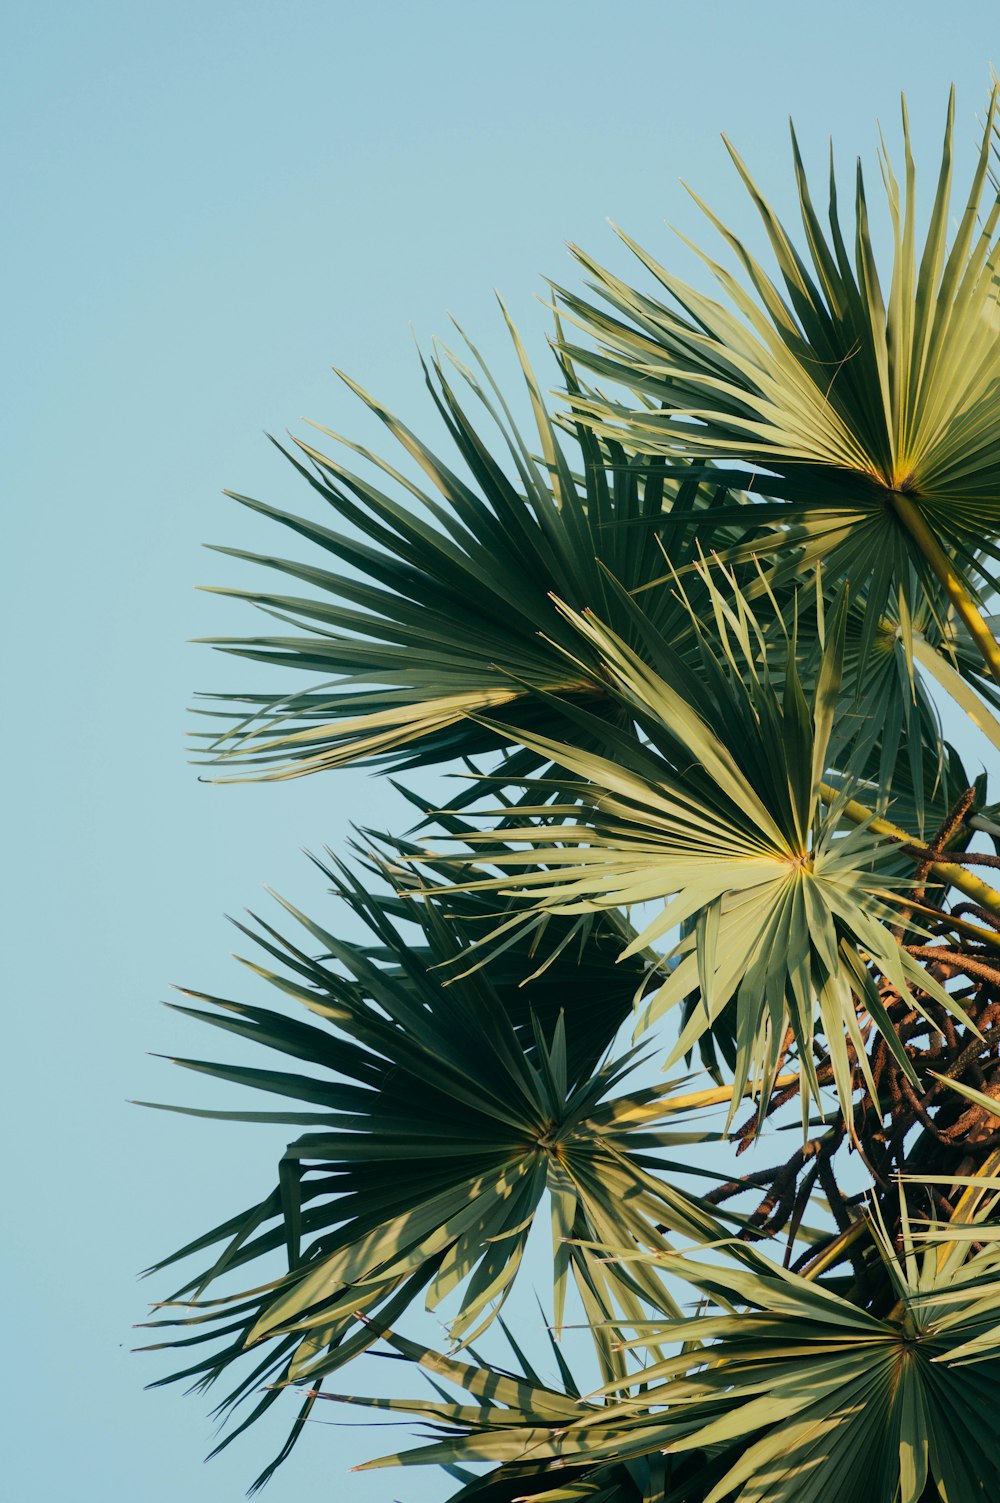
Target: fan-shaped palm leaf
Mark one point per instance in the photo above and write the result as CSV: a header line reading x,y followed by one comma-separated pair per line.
x,y
874,417
440,1118
439,614
794,1393
722,812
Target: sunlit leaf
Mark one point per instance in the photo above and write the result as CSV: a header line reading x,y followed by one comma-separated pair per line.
x,y
441,1117
867,410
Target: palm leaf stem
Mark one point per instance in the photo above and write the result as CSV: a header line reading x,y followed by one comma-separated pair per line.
x,y
956,589
718,1095
947,871
949,923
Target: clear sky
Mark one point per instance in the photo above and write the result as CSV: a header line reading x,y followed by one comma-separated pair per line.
x,y
208,205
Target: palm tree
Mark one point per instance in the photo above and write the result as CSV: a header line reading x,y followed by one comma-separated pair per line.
x,y
693,642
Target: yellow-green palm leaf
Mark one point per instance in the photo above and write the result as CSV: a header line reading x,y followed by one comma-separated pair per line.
x,y
717,814
871,409
783,1390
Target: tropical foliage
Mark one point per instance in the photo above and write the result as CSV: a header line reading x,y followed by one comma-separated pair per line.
x,y
717,881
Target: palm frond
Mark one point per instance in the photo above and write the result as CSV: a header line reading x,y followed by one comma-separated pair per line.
x,y
440,1118
438,614
868,417
718,809
783,1391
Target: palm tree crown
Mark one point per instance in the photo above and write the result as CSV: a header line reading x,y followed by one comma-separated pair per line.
x,y
700,645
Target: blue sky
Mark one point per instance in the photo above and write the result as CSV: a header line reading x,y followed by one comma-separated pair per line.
x,y
207,207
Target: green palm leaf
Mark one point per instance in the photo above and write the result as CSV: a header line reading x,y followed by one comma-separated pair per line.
x,y
440,1119
873,414
446,589
718,809
853,1405
783,1392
